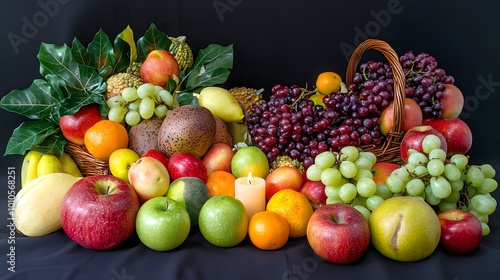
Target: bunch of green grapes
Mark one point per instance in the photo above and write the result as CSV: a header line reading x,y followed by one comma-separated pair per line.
x,y
446,183
348,178
142,103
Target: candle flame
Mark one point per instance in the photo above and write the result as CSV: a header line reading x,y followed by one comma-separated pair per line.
x,y
249,178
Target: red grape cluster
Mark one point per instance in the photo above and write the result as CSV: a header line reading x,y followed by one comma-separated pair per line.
x,y
291,124
425,82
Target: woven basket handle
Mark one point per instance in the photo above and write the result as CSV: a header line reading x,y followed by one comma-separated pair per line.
x,y
397,70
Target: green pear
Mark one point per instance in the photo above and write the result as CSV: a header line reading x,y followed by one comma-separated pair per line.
x,y
405,228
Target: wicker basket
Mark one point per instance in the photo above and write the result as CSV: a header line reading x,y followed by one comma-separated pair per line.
x,y
389,149
88,164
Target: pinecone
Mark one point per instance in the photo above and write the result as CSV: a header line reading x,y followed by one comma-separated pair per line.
x,y
134,69
247,97
285,160
117,82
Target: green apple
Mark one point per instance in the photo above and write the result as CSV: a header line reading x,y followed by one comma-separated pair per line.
x,y
120,161
223,221
162,224
190,192
250,159
405,228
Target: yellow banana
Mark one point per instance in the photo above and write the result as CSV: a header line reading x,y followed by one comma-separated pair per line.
x,y
49,163
69,166
29,167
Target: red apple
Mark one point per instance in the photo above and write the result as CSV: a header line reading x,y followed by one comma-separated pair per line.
x,y
452,102
99,212
412,116
283,177
218,157
185,164
73,127
338,233
382,170
413,139
314,191
456,132
461,231
158,67
158,155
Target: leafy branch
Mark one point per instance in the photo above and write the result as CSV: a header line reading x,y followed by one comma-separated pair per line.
x,y
76,76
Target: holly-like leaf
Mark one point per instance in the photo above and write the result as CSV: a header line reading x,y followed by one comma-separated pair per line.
x,y
122,56
103,52
38,101
58,61
82,55
53,144
211,67
30,134
153,39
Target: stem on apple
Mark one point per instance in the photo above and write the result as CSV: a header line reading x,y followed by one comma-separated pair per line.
x,y
109,189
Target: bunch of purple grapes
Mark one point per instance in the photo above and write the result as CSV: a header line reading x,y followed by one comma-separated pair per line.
x,y
290,124
425,82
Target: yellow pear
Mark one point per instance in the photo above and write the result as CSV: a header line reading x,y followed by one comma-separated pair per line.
x,y
221,103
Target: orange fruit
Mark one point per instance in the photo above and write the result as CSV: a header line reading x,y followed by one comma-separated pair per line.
x,y
294,207
220,182
104,137
328,82
268,230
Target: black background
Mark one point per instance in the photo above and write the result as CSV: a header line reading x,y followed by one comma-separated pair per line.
x,y
275,42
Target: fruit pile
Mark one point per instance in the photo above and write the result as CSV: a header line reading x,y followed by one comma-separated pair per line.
x,y
176,144
302,123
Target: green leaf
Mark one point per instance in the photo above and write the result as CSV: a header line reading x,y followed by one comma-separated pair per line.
x,y
103,52
211,67
171,85
58,61
122,55
153,39
82,55
53,144
28,135
215,52
186,98
36,102
127,35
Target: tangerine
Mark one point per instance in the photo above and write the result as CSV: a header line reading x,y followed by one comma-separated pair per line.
x,y
104,137
294,207
328,82
268,230
220,182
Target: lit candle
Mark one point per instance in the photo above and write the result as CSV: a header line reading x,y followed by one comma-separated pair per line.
x,y
251,191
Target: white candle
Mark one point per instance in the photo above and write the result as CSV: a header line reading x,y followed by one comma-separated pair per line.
x,y
251,191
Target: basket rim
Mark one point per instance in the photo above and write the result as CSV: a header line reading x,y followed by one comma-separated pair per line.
x,y
391,145
397,70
